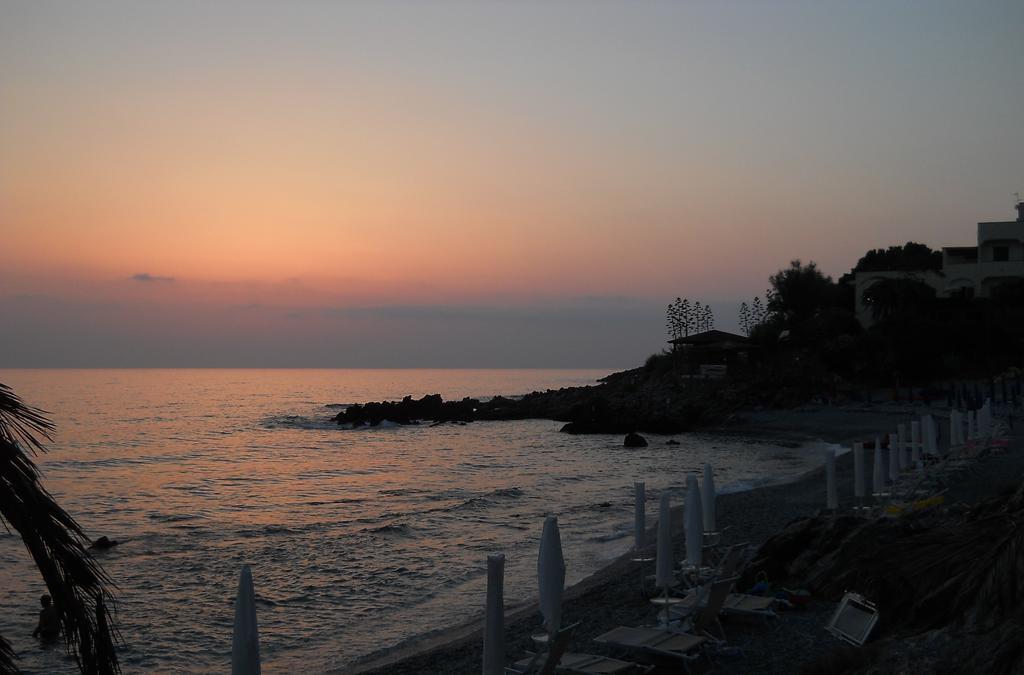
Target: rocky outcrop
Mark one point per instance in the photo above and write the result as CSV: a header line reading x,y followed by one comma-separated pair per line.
x,y
634,440
636,400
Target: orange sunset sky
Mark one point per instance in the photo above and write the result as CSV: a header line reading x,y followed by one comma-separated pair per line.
x,y
471,184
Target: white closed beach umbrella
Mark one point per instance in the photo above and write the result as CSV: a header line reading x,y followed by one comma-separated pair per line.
x,y
551,575
709,495
494,626
901,445
245,646
878,473
694,522
858,470
915,442
894,459
640,515
831,490
930,435
663,577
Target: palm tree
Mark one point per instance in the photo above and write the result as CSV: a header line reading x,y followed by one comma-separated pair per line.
x,y
56,542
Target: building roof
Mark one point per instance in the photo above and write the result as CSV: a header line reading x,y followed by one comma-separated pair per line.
x,y
717,338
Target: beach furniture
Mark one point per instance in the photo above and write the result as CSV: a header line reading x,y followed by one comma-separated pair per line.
x,y
732,560
545,663
245,645
735,604
853,620
756,606
588,664
831,490
683,647
709,495
494,624
858,473
551,575
694,523
700,617
640,531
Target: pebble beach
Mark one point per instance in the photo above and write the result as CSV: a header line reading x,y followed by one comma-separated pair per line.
x,y
797,641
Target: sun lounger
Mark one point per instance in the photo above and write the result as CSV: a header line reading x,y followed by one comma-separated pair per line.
x,y
591,664
656,641
701,616
741,604
544,664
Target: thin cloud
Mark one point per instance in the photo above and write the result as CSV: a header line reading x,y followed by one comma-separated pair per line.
x,y
146,277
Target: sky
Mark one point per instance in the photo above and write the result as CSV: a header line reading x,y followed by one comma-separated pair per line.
x,y
471,184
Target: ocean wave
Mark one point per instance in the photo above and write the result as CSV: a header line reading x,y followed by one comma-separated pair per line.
x,y
174,517
611,536
299,422
486,499
400,529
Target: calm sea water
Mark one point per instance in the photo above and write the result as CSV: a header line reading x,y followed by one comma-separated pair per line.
x,y
358,540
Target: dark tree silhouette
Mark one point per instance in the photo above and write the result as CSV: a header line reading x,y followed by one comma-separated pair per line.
x,y
757,314
799,291
56,542
890,297
911,257
744,318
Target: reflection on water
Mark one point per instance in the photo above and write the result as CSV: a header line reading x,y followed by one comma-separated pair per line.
x,y
357,539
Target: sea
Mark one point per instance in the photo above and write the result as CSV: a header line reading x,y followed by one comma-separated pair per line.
x,y
359,541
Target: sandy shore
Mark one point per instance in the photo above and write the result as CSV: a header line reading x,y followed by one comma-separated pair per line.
x,y
612,596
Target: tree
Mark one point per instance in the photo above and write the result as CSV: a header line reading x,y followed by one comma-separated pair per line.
x,y
911,257
709,318
757,315
57,543
889,298
686,316
799,291
745,318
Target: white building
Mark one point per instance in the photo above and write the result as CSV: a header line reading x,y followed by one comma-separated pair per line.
x,y
970,271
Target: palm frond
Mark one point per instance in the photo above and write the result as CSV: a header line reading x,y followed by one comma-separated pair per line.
x,y
21,423
7,657
57,543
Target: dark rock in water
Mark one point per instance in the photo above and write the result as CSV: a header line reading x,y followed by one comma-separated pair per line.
x,y
671,441
633,440
104,543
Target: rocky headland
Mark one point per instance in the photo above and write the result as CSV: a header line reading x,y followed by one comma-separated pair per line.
x,y
633,400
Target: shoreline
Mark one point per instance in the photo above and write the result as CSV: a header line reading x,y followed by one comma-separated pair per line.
x,y
753,515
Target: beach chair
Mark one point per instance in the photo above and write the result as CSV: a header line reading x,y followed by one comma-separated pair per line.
x,y
756,606
544,663
733,558
591,664
701,618
683,647
736,604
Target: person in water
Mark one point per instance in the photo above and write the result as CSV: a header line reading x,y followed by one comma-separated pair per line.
x,y
49,623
